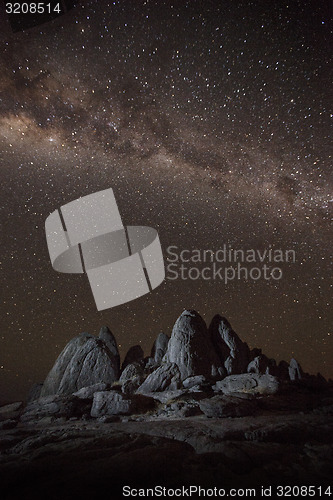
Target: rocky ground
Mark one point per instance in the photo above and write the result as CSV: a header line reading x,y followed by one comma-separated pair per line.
x,y
202,409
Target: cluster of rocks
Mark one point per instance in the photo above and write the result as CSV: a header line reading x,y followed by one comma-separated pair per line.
x,y
198,371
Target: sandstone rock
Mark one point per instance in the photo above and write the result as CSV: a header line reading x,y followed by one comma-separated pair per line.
x,y
88,392
191,349
164,378
249,383
227,406
85,361
233,353
160,347
134,355
295,370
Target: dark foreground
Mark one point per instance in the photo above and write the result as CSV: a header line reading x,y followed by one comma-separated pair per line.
x,y
91,459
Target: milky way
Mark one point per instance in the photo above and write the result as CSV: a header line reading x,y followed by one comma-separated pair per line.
x,y
211,123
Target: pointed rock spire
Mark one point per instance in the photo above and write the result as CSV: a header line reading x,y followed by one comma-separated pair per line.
x,y
233,353
190,347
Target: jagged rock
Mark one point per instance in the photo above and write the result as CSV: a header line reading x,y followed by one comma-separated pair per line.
x,y
191,349
179,409
116,403
227,406
11,411
167,396
55,406
252,383
262,364
233,353
134,355
295,370
88,392
160,347
150,364
130,386
111,403
164,378
198,380
132,371
108,337
85,361
34,392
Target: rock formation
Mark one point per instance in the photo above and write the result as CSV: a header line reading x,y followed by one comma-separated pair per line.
x,y
134,355
202,371
160,347
86,360
233,353
191,349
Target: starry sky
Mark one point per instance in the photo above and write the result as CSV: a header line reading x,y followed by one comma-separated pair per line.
x,y
211,122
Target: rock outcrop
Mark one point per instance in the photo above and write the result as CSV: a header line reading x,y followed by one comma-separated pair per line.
x,y
191,349
165,378
86,360
160,347
196,371
295,371
233,353
251,383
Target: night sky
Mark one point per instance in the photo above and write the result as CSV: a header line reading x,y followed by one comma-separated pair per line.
x,y
210,121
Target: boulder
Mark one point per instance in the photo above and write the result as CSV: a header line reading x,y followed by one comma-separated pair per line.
x,y
85,361
134,355
130,386
160,347
55,406
116,403
164,378
88,392
198,380
251,383
295,370
262,364
111,403
227,406
233,353
191,349
110,341
132,371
